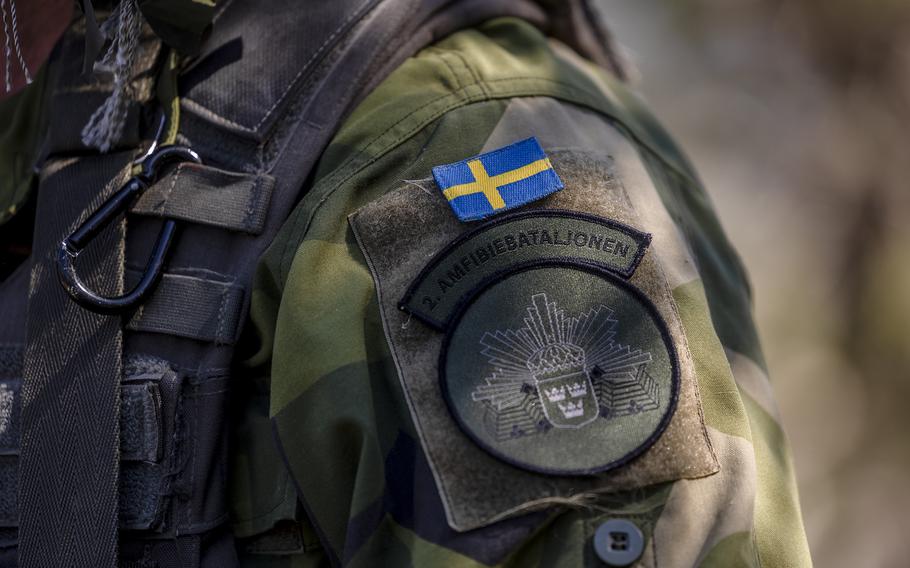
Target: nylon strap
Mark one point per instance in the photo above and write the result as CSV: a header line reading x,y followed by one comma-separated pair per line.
x,y
205,306
209,196
69,463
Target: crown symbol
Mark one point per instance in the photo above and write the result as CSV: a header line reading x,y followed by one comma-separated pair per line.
x,y
577,389
555,360
541,377
555,394
572,409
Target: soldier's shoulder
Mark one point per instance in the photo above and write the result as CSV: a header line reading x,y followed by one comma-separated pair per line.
x,y
475,90
485,68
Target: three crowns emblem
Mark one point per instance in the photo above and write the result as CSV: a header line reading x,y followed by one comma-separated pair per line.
x,y
561,371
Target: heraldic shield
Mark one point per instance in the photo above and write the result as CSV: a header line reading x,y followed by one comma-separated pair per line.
x,y
560,374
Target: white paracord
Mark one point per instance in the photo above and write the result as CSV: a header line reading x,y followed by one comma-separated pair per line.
x,y
123,27
18,44
9,51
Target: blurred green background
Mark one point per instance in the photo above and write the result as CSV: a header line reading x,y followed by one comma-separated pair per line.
x,y
797,115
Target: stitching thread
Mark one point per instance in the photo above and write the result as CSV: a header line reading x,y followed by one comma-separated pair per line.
x,y
204,111
253,202
219,327
167,196
306,66
291,85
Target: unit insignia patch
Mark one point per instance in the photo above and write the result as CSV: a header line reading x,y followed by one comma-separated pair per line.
x,y
552,361
501,244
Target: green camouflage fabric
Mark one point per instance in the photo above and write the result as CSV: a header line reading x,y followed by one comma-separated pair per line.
x,y
22,120
349,483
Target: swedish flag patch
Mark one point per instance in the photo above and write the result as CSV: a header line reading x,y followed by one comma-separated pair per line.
x,y
497,181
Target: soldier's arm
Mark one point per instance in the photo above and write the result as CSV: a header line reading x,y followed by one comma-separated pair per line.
x,y
509,390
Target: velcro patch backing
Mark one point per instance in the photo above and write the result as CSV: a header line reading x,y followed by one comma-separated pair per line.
x,y
481,481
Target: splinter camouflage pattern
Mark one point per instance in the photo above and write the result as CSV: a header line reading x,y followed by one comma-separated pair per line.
x,y
324,385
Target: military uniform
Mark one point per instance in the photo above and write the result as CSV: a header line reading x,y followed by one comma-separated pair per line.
x,y
503,327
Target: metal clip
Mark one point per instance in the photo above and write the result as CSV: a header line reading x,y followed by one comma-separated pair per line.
x,y
72,245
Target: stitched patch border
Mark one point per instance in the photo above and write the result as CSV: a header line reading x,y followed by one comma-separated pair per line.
x,y
412,303
614,279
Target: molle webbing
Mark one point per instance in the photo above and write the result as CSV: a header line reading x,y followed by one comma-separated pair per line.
x,y
209,196
210,307
140,446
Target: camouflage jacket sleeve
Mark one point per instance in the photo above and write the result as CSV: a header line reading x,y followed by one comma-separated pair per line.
x,y
506,392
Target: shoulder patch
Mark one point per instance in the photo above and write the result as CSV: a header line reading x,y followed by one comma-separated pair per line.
x,y
560,367
541,353
497,181
500,244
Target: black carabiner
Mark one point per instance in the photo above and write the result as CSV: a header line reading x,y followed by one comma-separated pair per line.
x,y
72,245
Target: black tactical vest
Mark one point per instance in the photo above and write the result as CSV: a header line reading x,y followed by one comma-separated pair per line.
x,y
113,436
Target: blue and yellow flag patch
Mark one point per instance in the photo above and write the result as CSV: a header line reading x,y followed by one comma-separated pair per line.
x,y
497,181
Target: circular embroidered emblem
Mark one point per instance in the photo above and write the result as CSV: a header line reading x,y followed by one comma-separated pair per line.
x,y
561,368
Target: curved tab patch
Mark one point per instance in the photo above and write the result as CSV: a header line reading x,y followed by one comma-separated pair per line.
x,y
502,243
560,367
